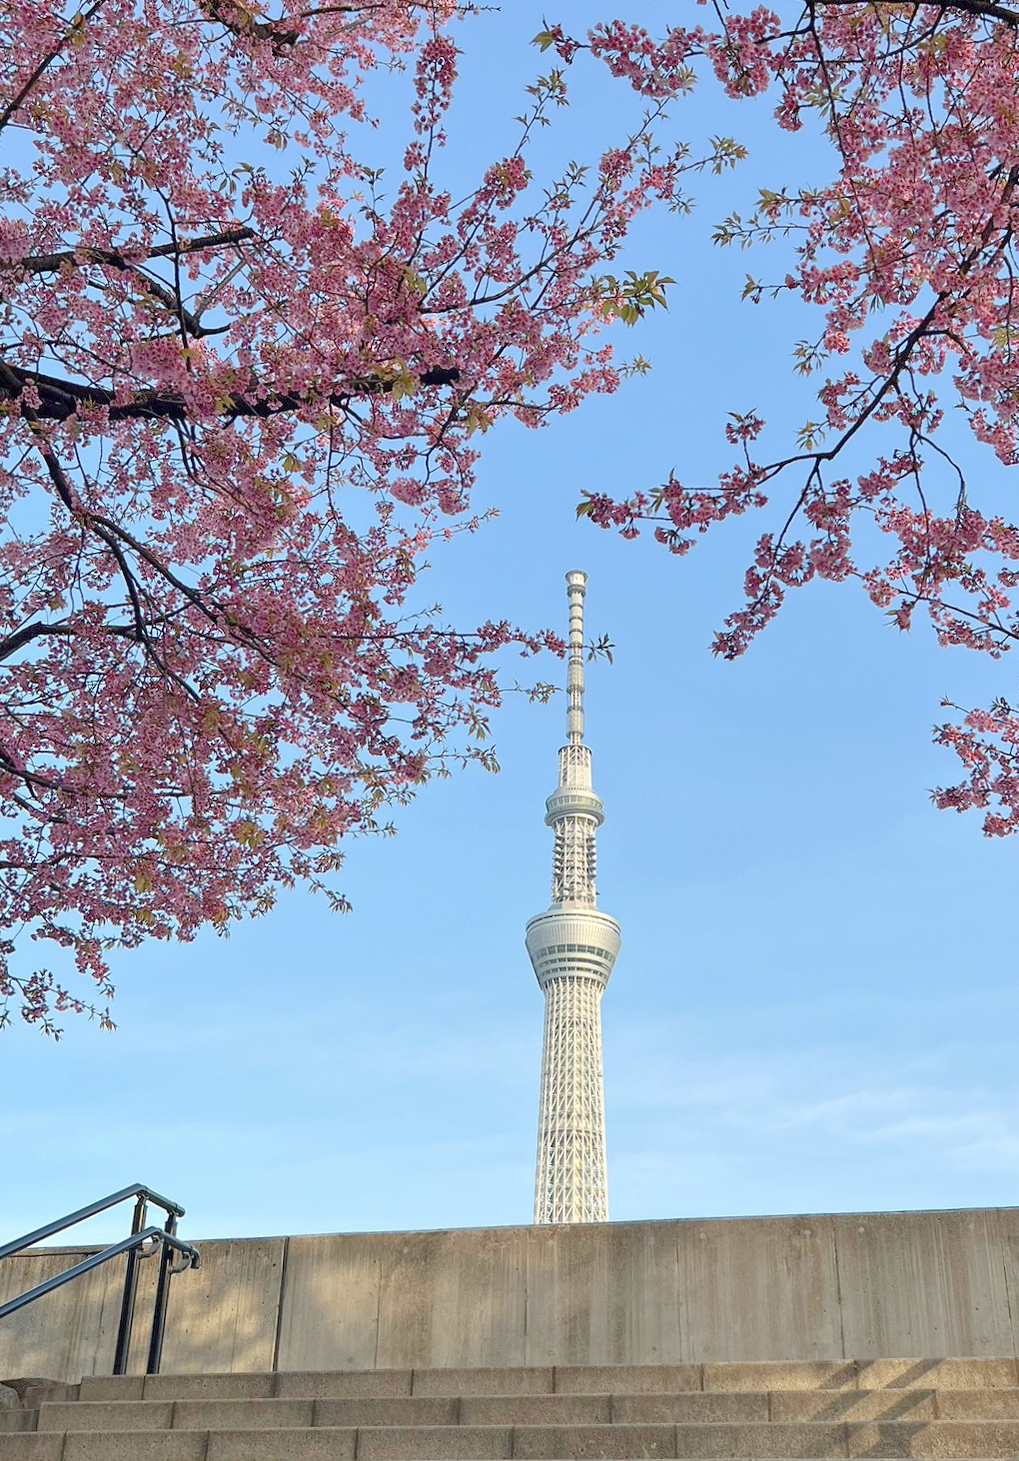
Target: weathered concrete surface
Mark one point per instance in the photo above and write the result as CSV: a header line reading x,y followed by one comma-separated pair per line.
x,y
330,1312
894,1286
761,1289
827,1288
67,1334
222,1317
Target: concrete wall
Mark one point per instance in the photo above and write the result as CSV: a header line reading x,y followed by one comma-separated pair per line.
x,y
876,1285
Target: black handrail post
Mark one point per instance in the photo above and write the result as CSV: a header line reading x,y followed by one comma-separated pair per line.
x,y
122,1351
162,1294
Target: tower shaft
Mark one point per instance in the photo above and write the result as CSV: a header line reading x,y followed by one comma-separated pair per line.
x,y
572,949
571,1185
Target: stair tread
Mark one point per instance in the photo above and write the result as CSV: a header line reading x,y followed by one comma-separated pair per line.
x,y
931,1410
530,1443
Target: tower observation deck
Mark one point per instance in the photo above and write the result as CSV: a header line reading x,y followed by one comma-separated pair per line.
x,y
572,949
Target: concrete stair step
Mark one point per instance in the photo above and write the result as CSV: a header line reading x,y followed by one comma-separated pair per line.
x,y
16,1421
889,1405
978,1404
932,1410
691,1407
931,1441
20,1401
754,1377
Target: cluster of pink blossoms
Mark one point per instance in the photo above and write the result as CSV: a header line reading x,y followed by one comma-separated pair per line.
x,y
909,254
240,397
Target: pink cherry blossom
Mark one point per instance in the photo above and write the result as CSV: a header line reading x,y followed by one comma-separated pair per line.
x,y
242,392
909,255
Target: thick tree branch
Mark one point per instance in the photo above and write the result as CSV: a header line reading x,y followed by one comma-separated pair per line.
x,y
240,23
60,399
13,642
74,258
969,7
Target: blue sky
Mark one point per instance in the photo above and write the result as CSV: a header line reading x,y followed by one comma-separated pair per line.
x,y
815,1005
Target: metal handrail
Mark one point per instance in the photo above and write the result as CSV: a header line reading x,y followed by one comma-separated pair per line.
x,y
134,1246
172,1209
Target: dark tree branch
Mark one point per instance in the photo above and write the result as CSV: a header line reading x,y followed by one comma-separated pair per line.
x,y
60,399
969,7
27,633
239,23
74,258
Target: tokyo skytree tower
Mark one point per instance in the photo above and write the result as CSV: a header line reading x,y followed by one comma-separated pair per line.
x,y
573,948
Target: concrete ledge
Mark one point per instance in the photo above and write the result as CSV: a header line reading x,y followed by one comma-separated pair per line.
x,y
832,1290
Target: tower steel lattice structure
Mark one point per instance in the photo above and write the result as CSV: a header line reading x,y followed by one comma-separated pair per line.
x,y
572,949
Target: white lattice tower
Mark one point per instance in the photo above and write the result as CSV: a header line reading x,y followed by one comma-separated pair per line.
x,y
573,948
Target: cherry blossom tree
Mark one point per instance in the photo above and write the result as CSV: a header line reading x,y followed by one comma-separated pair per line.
x,y
243,379
907,249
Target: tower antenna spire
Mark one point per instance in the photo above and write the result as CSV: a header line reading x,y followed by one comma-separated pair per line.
x,y
572,949
576,588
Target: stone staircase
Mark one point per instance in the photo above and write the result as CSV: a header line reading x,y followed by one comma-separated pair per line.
x,y
882,1408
